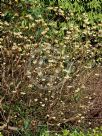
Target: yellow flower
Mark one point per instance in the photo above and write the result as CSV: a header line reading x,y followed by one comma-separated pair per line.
x,y
16,1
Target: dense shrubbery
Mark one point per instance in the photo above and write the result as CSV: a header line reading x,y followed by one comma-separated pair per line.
x,y
46,47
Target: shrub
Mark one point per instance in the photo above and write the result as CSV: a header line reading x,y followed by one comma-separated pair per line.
x,y
43,53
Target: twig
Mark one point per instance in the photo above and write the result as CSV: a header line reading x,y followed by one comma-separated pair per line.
x,y
8,127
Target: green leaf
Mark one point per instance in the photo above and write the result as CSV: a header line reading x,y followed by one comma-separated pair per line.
x,y
1,134
65,132
26,124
